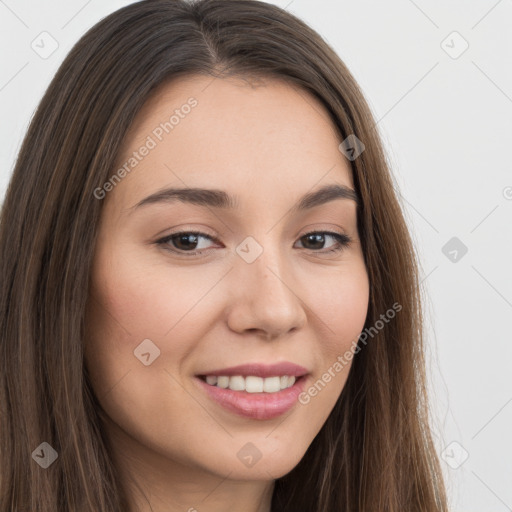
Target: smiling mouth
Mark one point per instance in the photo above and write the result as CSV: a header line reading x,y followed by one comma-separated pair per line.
x,y
252,396
251,383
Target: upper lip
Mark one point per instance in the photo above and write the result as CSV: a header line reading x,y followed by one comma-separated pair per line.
x,y
260,370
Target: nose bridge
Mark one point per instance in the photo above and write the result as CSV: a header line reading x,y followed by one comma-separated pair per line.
x,y
264,266
266,299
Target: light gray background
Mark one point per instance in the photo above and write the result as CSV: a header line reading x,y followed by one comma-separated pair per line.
x,y
447,126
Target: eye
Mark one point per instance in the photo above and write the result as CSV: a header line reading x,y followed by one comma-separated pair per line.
x,y
183,241
319,237
187,243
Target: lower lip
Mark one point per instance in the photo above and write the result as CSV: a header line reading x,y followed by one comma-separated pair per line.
x,y
258,406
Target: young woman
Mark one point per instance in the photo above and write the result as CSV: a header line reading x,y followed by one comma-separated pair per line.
x,y
209,297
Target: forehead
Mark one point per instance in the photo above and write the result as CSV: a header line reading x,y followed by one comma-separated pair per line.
x,y
255,95
232,133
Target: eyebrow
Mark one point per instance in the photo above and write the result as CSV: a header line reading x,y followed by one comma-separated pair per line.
x,y
215,198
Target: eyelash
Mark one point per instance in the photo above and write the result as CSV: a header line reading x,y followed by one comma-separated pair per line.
x,y
342,241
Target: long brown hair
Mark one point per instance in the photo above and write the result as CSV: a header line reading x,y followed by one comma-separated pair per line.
x,y
375,451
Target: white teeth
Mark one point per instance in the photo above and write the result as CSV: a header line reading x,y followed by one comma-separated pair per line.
x,y
272,384
223,382
236,383
252,384
211,379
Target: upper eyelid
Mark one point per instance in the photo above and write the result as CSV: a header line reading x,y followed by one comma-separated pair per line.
x,y
214,238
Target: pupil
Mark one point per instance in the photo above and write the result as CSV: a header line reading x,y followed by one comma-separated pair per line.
x,y
183,238
316,238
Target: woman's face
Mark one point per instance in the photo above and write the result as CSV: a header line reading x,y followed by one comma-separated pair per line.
x,y
250,289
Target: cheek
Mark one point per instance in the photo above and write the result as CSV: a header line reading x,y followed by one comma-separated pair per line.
x,y
135,300
128,307
148,298
341,305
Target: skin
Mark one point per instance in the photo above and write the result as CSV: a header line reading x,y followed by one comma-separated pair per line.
x,y
268,144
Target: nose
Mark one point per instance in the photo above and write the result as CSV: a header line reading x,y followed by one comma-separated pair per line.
x,y
265,301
